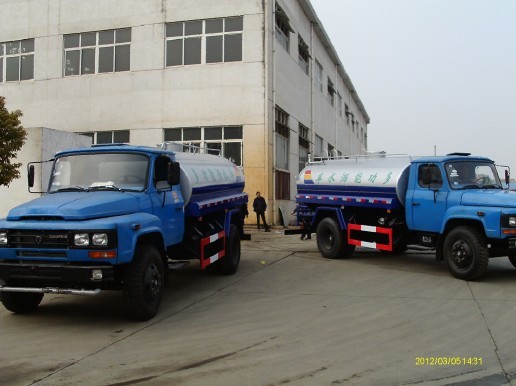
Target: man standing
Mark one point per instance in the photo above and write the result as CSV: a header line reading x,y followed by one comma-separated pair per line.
x,y
260,206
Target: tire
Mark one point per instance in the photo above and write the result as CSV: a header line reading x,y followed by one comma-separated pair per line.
x,y
466,253
143,283
21,302
228,265
331,242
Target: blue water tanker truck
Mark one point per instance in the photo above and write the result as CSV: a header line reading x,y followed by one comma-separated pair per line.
x,y
116,217
455,204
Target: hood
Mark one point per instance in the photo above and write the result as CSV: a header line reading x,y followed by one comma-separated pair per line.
x,y
77,206
499,198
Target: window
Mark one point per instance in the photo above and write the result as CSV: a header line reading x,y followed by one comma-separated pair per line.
x,y
282,185
330,151
304,145
224,140
339,103
282,138
347,113
318,76
17,60
204,41
283,28
97,52
318,146
303,54
429,174
98,137
331,92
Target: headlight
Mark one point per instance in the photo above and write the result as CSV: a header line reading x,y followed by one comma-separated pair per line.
x,y
3,238
512,221
81,239
100,239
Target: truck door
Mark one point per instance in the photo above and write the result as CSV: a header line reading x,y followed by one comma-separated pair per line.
x,y
167,202
429,199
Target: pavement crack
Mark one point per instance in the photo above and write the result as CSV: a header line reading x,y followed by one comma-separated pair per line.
x,y
489,332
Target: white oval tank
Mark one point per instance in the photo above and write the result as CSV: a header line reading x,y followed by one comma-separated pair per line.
x,y
207,174
371,173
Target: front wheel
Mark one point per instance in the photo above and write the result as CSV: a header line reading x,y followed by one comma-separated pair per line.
x,y
144,283
21,302
331,241
466,254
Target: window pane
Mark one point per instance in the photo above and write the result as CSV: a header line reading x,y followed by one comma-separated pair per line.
x,y
105,137
71,41
192,133
174,52
233,132
193,27
123,35
72,62
88,39
1,49
281,152
122,58
121,136
233,152
12,71
234,23
232,48
174,29
27,67
172,135
192,51
27,45
215,148
214,25
1,70
212,133
214,49
12,48
106,37
89,135
106,59
88,61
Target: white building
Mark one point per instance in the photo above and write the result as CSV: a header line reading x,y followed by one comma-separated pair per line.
x,y
259,80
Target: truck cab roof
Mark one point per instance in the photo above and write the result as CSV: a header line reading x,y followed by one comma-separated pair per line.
x,y
450,157
116,148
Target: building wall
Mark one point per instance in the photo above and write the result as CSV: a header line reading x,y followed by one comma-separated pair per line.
x,y
152,97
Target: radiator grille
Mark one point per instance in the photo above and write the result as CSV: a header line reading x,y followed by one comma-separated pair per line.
x,y
38,239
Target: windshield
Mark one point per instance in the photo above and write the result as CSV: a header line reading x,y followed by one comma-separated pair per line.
x,y
116,171
472,175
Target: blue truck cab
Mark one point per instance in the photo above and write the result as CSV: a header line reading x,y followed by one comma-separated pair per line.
x,y
114,217
456,204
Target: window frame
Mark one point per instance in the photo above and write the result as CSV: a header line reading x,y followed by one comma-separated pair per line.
x,y
25,50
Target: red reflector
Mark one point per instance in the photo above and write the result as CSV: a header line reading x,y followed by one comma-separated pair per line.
x,y
102,254
509,231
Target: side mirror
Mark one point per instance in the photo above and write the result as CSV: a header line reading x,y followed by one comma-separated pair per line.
x,y
507,176
173,173
30,176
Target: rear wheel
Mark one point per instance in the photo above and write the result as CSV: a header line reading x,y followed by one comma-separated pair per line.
x,y
331,241
21,302
143,283
466,253
228,265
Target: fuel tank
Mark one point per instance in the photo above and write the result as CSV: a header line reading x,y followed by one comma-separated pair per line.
x,y
205,176
371,176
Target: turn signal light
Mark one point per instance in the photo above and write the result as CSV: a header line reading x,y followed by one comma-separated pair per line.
x,y
102,254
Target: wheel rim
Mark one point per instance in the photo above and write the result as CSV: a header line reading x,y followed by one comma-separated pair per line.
x,y
329,240
461,255
152,283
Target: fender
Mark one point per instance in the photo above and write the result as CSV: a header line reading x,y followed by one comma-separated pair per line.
x,y
319,213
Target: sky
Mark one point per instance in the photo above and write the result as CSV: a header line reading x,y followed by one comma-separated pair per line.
x,y
435,76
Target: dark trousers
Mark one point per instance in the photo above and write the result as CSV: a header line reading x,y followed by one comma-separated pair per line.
x,y
262,215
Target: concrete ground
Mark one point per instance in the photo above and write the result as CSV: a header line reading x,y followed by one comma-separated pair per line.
x,y
287,317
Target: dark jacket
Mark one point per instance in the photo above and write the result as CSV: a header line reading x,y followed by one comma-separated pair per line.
x,y
259,205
